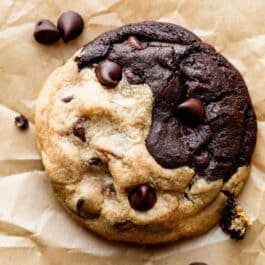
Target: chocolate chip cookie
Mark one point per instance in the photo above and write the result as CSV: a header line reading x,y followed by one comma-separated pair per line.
x,y
147,134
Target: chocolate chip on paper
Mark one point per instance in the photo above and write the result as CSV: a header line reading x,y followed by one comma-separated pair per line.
x,y
70,25
46,32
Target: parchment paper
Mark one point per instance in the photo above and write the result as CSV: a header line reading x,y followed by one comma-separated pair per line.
x,y
34,229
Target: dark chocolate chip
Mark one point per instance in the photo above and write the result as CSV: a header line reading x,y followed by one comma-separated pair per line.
x,y
46,32
191,111
82,211
94,161
123,226
21,122
79,130
142,197
198,263
67,99
134,42
109,73
70,25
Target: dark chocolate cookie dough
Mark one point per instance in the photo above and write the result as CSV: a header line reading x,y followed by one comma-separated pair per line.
x,y
215,138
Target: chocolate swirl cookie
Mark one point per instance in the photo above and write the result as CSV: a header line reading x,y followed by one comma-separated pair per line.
x,y
145,133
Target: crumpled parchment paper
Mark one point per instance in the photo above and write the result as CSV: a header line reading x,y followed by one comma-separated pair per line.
x,y
34,229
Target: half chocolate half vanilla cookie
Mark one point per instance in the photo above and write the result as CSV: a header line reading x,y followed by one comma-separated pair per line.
x,y
146,134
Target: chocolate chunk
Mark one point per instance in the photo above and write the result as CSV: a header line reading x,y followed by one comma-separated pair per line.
x,y
83,212
134,42
46,32
70,25
67,99
123,226
109,73
142,197
94,161
79,130
21,122
191,111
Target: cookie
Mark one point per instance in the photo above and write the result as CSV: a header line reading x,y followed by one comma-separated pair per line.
x,y
146,134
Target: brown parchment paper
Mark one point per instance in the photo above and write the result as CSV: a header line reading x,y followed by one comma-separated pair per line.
x,y
34,229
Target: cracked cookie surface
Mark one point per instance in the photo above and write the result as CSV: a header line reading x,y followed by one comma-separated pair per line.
x,y
142,129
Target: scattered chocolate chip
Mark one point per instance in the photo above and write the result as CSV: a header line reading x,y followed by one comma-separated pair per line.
x,y
109,73
67,99
46,32
83,212
134,42
142,197
191,111
21,122
123,226
70,25
79,130
198,263
201,161
94,161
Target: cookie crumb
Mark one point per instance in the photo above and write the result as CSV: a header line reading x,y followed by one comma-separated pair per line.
x,y
234,220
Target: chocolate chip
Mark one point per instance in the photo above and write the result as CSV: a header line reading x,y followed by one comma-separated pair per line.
x,y
70,25
123,226
79,130
142,197
191,111
94,161
83,212
67,98
46,32
198,263
134,42
185,130
21,122
79,204
109,73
